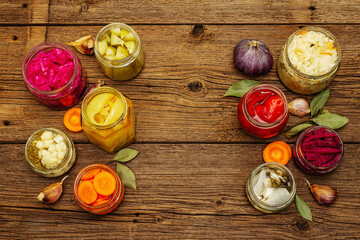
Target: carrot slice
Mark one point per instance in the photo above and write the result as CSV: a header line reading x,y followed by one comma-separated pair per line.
x,y
104,183
91,174
101,200
86,192
277,151
72,119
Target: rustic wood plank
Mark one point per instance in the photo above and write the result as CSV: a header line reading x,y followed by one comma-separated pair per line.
x,y
182,90
186,12
183,191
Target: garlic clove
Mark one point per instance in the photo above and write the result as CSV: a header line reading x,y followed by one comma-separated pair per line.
x,y
51,193
323,194
299,107
85,45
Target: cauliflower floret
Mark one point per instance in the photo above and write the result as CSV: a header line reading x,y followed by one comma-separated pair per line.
x,y
52,148
58,139
61,155
60,147
50,161
48,143
47,135
43,153
40,145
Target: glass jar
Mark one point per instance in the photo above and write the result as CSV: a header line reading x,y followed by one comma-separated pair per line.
x,y
255,127
261,205
298,81
115,198
31,154
63,97
116,135
308,166
123,69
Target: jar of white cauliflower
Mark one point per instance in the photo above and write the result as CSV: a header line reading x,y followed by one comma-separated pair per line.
x,y
50,152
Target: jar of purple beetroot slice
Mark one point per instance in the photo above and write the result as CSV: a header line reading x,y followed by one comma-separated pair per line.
x,y
54,75
318,150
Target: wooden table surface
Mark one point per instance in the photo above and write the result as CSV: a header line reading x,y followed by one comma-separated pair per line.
x,y
194,157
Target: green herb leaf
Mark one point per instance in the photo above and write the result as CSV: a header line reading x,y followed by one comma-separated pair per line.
x,y
240,88
297,129
331,120
127,176
319,101
125,155
303,208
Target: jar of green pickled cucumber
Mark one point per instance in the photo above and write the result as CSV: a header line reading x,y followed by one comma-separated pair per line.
x,y
118,51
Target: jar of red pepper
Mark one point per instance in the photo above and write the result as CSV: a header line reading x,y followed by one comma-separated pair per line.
x,y
318,150
263,111
54,75
98,189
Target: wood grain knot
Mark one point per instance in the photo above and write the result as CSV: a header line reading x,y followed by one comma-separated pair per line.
x,y
219,202
195,86
84,7
158,219
14,38
135,221
137,214
198,30
312,8
302,225
6,123
25,5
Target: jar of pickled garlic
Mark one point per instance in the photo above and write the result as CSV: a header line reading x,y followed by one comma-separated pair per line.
x,y
108,119
54,75
98,189
270,187
50,152
263,111
118,51
318,150
309,60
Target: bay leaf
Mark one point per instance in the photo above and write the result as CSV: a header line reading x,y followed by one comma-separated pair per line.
x,y
303,208
125,155
127,176
297,129
319,101
240,88
331,120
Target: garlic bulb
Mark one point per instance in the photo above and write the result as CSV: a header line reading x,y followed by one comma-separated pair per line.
x,y
85,45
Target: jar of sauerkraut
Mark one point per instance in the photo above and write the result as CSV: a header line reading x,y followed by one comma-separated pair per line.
x,y
309,60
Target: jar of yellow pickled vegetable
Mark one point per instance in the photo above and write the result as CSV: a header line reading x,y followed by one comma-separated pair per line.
x,y
118,51
108,119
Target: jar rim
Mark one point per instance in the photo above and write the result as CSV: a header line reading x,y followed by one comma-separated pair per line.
x,y
278,92
315,29
122,62
62,165
95,92
116,195
300,139
261,204
45,46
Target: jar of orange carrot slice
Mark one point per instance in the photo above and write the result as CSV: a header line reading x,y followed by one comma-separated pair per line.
x,y
98,189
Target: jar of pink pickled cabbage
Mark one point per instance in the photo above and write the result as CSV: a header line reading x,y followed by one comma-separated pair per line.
x,y
54,75
318,150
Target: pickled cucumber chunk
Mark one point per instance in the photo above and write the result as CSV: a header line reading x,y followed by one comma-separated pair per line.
x,y
117,44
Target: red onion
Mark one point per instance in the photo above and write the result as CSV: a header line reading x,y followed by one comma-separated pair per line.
x,y
252,57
